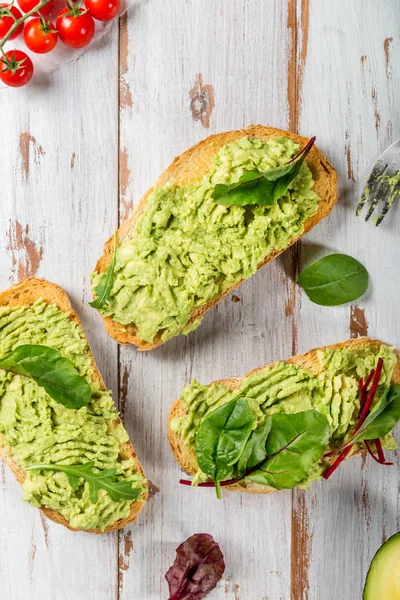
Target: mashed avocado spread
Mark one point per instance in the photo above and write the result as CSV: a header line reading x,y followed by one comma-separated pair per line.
x,y
288,388
186,249
37,429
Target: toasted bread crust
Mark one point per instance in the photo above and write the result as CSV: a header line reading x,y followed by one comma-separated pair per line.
x,y
186,457
190,167
25,294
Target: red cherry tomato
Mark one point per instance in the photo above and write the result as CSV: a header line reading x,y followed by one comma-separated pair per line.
x,y
40,36
103,10
7,21
16,68
27,5
75,26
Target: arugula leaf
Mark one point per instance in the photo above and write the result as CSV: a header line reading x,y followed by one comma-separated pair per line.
x,y
103,290
57,375
383,417
221,437
334,279
262,187
294,444
117,490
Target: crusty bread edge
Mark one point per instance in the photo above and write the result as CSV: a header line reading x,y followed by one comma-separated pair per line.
x,y
24,294
186,456
192,165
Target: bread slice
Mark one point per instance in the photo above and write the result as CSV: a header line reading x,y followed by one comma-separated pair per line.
x,y
25,294
190,167
186,456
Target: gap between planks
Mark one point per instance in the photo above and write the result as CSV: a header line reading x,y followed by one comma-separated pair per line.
x,y
122,184
301,535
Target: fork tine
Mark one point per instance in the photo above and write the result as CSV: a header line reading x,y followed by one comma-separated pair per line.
x,y
363,200
371,209
390,199
382,193
378,170
384,212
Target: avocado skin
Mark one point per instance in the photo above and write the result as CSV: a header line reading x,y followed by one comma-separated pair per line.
x,y
380,583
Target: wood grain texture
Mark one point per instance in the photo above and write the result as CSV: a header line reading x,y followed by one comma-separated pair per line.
x,y
178,37
59,194
352,113
79,150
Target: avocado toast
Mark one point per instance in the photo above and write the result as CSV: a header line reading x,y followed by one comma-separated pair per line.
x,y
34,428
324,382
182,251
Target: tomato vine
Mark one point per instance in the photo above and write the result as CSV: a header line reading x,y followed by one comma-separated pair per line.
x,y
19,22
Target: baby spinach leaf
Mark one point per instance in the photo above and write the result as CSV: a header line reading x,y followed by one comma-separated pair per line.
x,y
294,444
198,567
254,451
103,290
251,188
262,187
57,375
221,437
384,416
117,490
334,279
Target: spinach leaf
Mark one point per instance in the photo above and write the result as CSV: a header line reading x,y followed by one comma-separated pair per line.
x,y
254,451
262,187
334,279
57,375
383,417
221,437
103,290
198,566
117,490
294,444
251,188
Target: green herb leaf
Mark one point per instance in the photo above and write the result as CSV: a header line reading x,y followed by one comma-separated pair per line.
x,y
221,437
117,490
254,451
262,187
57,375
384,416
251,188
334,279
294,444
103,290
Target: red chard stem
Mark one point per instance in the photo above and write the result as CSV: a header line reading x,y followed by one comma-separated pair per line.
x,y
337,462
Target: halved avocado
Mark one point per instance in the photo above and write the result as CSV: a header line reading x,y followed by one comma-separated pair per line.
x,y
383,578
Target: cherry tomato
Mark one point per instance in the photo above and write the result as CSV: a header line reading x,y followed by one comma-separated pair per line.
x,y
40,36
103,10
75,26
7,21
16,68
27,5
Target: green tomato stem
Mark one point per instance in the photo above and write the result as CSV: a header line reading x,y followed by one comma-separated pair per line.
x,y
18,22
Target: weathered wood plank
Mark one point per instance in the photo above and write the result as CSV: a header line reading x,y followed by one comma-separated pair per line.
x,y
350,88
59,199
193,69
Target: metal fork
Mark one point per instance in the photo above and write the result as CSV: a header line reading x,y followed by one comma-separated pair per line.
x,y
383,184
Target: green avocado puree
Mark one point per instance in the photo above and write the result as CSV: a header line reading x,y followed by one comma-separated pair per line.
x,y
39,430
288,388
186,249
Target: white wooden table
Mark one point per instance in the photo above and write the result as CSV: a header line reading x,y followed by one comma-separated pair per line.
x,y
78,149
